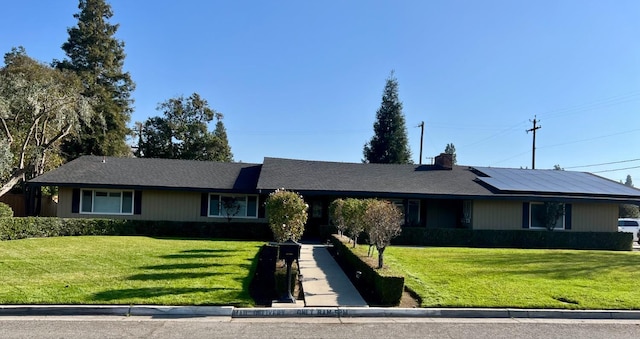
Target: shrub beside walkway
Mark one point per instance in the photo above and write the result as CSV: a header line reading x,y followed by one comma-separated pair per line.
x,y
323,281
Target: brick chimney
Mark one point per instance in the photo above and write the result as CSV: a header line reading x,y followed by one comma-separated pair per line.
x,y
444,161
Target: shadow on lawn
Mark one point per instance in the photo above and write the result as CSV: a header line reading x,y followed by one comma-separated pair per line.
x,y
192,256
191,267
174,276
206,251
186,266
196,264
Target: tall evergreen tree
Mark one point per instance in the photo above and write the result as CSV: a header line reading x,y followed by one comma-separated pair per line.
x,y
224,150
628,181
451,149
98,58
389,143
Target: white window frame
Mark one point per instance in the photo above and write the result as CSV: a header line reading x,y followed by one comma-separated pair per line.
x,y
220,208
93,201
564,216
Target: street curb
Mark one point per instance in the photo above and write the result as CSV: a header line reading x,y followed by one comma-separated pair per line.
x,y
63,310
310,312
352,312
182,311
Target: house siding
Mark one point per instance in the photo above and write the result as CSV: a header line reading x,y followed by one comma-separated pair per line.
x,y
594,218
497,215
507,215
155,205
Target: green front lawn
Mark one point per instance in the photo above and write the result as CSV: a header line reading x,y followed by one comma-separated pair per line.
x,y
126,270
475,277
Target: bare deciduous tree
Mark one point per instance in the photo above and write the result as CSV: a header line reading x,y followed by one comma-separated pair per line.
x,y
353,214
336,215
384,221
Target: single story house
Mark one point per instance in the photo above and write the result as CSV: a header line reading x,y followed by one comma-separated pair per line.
x,y
433,196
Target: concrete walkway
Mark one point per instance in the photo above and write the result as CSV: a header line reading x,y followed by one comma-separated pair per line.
x,y
323,281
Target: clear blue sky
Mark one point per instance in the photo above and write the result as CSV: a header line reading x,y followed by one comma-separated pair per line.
x,y
303,79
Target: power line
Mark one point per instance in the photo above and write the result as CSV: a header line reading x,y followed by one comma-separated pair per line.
x,y
513,157
615,170
589,139
604,163
600,103
504,131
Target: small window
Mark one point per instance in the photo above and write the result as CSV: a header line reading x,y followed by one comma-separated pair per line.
x,y
627,223
214,205
252,206
87,201
127,202
316,209
413,212
411,208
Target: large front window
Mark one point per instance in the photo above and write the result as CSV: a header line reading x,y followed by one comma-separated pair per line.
x,y
233,206
106,202
543,215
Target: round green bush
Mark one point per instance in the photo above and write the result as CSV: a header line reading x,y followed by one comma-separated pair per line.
x,y
5,211
287,214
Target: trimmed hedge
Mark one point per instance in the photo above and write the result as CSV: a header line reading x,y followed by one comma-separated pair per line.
x,y
235,230
5,211
34,227
37,227
540,239
384,289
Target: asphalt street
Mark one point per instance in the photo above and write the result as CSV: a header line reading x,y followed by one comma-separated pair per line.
x,y
225,327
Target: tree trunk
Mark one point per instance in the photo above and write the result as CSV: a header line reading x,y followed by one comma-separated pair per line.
x,y
380,256
13,180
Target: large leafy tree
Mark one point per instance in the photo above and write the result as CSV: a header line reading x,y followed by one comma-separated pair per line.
x,y
39,107
182,132
389,143
98,58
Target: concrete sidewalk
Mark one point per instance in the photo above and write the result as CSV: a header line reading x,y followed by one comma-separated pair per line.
x,y
323,281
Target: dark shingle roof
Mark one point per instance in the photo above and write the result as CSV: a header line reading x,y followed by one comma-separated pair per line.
x,y
303,175
336,178
428,180
153,173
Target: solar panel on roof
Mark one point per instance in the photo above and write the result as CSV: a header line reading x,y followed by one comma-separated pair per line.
x,y
552,181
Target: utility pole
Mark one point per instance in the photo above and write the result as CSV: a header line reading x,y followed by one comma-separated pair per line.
x,y
421,137
534,129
